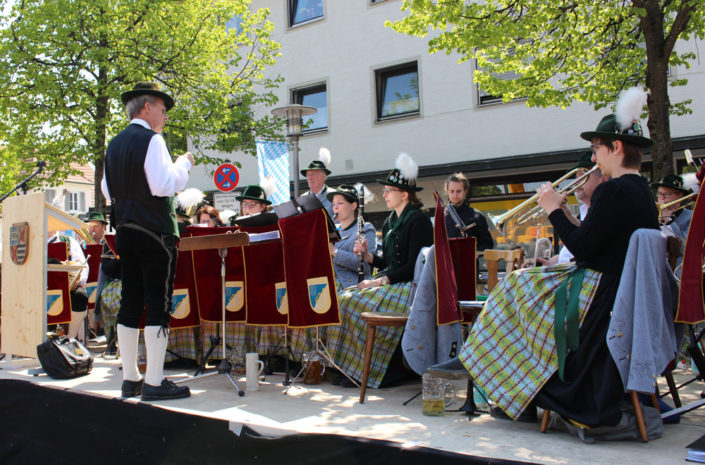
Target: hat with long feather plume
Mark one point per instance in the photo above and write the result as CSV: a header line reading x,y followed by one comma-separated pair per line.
x,y
404,175
624,124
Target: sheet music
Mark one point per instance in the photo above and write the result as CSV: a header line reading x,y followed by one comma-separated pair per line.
x,y
265,236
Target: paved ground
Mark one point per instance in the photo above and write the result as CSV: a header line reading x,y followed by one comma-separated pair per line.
x,y
331,409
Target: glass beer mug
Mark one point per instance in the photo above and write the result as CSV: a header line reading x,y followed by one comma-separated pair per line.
x,y
436,395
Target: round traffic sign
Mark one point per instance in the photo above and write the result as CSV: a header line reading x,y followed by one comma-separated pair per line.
x,y
226,177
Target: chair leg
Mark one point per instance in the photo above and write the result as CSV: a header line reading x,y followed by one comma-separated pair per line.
x,y
544,420
369,343
673,389
654,402
639,416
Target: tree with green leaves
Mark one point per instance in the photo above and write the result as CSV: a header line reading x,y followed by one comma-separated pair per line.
x,y
64,64
569,50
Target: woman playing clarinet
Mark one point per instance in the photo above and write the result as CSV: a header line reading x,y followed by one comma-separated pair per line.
x,y
345,261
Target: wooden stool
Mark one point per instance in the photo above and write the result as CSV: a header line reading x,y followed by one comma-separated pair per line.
x,y
374,319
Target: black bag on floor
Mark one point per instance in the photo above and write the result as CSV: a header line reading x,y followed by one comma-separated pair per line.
x,y
64,358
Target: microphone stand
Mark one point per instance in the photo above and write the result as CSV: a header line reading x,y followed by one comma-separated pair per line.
x,y
23,184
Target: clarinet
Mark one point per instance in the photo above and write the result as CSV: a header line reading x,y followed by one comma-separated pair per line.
x,y
361,233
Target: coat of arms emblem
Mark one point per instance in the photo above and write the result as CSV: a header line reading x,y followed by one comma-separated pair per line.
x,y
19,246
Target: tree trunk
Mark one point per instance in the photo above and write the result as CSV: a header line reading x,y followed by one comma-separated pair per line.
x,y
658,102
102,109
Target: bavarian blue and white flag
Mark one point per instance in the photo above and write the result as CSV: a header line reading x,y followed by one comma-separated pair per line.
x,y
273,162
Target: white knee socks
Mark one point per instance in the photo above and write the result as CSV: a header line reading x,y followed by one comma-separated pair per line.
x,y
156,341
76,324
127,341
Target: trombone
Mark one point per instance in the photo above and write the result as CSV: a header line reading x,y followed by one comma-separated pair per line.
x,y
576,184
686,200
499,221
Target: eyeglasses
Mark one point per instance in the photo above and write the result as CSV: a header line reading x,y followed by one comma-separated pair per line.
x,y
249,203
387,190
666,195
594,147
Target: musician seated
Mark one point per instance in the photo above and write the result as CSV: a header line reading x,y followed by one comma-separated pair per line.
x,y
253,201
404,233
584,196
347,263
512,350
675,219
208,216
79,297
472,224
108,299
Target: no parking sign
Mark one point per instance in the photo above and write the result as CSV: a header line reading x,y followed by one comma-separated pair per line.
x,y
226,177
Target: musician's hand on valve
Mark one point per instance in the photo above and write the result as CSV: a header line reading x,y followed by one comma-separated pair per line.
x,y
549,199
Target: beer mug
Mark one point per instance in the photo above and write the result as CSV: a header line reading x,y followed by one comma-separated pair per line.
x,y
253,370
314,368
436,395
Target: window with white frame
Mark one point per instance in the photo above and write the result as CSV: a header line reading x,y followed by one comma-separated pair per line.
x,y
74,201
303,11
313,96
397,91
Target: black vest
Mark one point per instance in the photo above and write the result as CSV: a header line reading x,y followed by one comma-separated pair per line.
x,y
132,200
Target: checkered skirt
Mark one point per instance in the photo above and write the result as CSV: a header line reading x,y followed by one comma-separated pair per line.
x,y
511,350
346,342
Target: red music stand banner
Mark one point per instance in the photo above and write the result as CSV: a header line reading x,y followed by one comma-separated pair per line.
x,y
446,287
310,286
58,296
267,300
184,304
92,252
691,301
206,272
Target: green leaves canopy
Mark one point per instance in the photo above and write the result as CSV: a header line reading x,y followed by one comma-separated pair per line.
x,y
566,50
64,64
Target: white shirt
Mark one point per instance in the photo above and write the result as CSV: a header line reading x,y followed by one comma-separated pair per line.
x,y
564,255
165,178
75,254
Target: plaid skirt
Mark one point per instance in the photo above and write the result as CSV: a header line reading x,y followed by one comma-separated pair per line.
x,y
240,337
110,304
511,350
346,342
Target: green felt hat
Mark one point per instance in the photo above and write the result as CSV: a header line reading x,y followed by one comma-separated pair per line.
x,y
395,179
346,190
253,192
609,129
316,165
585,161
147,88
673,181
96,216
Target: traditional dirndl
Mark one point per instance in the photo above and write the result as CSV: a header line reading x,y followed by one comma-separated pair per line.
x,y
346,342
511,350
270,340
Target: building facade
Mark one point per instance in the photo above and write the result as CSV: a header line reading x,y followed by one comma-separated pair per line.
x,y
379,93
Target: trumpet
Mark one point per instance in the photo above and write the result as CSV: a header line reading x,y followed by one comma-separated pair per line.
x,y
686,200
499,221
576,184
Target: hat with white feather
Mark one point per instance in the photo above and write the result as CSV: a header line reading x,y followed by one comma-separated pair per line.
x,y
404,175
323,161
623,124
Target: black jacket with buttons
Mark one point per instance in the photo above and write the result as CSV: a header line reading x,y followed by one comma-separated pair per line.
x,y
416,234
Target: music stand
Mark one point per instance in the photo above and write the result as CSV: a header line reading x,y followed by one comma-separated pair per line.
x,y
221,242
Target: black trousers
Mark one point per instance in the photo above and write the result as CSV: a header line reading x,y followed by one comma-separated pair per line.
x,y
79,299
148,264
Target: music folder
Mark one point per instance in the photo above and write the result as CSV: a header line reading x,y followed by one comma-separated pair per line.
x,y
304,204
260,219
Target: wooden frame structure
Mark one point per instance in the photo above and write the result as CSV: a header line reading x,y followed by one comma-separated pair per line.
x,y
24,299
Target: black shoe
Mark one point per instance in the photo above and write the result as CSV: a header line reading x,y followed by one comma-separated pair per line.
x,y
450,369
527,416
131,388
167,390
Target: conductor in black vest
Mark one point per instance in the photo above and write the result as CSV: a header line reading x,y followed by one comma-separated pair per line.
x,y
140,179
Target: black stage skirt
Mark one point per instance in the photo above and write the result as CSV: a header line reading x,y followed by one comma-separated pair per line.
x,y
593,388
